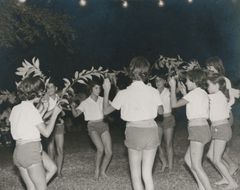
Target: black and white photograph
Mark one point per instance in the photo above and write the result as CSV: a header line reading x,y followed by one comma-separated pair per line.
x,y
119,94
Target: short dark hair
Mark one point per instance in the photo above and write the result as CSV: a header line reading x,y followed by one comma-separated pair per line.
x,y
139,68
217,63
216,78
30,88
199,77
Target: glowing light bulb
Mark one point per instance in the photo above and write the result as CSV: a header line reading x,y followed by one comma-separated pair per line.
x,y
125,4
190,1
161,3
22,1
83,3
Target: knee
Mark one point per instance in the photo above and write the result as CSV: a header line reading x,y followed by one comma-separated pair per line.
x,y
54,168
100,150
169,146
108,153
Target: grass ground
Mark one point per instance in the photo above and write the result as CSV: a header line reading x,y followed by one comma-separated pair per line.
x,y
78,168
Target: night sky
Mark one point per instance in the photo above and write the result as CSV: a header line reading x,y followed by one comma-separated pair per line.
x,y
109,35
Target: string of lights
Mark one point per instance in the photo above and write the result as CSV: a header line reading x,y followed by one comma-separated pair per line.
x,y
125,3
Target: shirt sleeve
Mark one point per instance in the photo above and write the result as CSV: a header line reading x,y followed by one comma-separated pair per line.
x,y
188,97
118,101
11,117
81,107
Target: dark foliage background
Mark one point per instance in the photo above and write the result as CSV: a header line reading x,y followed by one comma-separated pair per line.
x,y
67,37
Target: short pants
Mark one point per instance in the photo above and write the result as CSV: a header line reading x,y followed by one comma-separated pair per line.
x,y
27,154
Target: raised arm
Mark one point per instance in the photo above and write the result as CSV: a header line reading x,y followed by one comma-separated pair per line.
x,y
107,108
46,129
75,112
174,102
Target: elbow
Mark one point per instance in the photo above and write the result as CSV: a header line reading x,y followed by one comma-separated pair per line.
x,y
46,135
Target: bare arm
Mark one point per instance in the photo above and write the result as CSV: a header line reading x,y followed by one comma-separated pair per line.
x,y
75,112
107,108
46,129
174,102
160,110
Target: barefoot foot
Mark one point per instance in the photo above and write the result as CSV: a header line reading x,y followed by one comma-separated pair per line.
x,y
96,176
233,186
223,181
233,169
104,175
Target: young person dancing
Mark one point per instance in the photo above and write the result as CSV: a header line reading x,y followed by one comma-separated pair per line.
x,y
220,127
139,105
165,127
215,65
26,127
56,140
98,130
197,110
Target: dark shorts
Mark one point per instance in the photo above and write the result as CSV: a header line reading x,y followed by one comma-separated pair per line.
x,y
141,138
222,132
99,126
168,122
27,154
199,133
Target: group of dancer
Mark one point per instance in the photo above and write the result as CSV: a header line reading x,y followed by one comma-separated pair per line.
x,y
208,100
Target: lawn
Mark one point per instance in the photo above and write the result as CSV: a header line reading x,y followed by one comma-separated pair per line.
x,y
78,168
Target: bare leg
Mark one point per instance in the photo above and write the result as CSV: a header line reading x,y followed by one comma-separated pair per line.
x,y
147,165
96,139
196,153
219,147
59,140
135,159
107,142
49,166
188,161
233,167
27,180
37,175
51,149
168,138
161,150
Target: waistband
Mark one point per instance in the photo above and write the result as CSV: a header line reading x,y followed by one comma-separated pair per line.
x,y
150,123
220,122
167,114
21,142
198,122
95,121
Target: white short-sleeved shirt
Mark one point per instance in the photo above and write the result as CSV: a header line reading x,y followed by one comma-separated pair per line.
x,y
137,102
219,109
233,93
198,104
92,110
23,119
165,96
